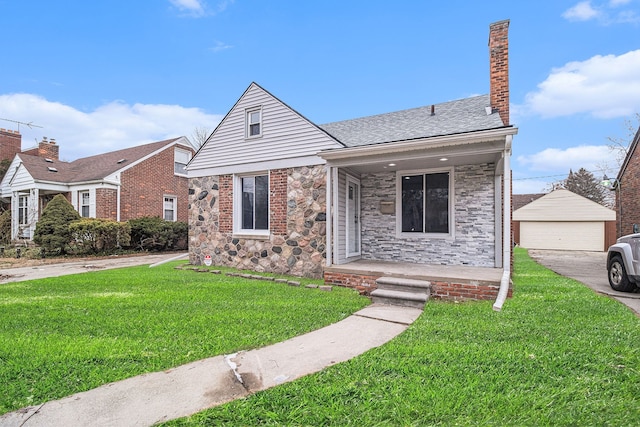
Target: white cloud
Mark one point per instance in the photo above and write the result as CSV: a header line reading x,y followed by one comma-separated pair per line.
x,y
220,46
582,11
110,127
602,86
590,157
603,13
530,186
617,3
199,8
192,7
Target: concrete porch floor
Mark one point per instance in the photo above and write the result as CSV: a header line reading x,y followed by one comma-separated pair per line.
x,y
445,273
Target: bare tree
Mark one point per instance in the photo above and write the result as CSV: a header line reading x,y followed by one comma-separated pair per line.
x,y
620,145
200,136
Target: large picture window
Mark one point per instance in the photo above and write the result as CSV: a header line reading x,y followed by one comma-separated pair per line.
x,y
252,210
425,205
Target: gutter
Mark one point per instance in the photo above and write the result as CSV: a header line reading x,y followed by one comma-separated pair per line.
x,y
506,224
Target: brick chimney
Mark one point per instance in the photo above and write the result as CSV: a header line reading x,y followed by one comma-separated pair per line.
x,y
10,143
47,149
499,68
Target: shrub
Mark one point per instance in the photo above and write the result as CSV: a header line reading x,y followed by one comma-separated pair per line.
x,y
156,234
99,235
52,230
5,227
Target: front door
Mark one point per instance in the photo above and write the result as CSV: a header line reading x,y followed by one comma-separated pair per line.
x,y
353,216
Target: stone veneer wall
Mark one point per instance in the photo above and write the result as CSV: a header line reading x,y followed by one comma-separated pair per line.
x,y
474,221
296,244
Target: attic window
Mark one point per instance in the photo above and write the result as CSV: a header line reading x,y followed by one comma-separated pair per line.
x,y
121,161
48,160
254,122
52,169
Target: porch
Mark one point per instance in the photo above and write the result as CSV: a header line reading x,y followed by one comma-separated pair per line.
x,y
448,282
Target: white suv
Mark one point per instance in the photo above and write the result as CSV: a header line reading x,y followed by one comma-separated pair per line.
x,y
623,263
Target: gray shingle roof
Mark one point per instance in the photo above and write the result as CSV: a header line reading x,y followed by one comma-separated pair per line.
x,y
88,168
453,117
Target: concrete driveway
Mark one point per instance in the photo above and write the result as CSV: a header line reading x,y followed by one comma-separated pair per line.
x,y
589,268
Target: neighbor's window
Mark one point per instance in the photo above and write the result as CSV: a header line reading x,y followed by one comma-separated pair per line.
x,y
23,210
254,122
425,206
181,158
252,206
84,204
170,208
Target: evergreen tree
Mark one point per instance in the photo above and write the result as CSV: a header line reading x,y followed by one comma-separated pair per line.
x,y
586,185
52,230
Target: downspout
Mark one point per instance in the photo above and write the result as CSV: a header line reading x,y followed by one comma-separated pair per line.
x,y
329,212
506,224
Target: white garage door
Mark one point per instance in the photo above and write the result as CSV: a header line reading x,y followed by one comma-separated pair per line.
x,y
574,236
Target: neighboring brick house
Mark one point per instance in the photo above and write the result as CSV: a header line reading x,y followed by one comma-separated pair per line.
x,y
146,180
627,189
272,191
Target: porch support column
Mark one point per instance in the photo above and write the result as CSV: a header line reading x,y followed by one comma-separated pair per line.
x,y
329,212
14,214
498,203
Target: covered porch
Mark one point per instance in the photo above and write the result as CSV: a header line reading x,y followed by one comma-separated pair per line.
x,y
431,210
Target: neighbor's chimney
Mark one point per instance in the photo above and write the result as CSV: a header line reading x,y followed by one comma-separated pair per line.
x,y
499,68
46,149
10,143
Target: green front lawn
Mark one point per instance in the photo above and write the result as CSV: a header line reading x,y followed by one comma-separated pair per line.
x,y
557,354
63,335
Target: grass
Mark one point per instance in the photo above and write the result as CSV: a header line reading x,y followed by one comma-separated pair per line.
x,y
63,335
557,354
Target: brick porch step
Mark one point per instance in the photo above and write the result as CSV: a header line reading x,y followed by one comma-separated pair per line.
x,y
402,291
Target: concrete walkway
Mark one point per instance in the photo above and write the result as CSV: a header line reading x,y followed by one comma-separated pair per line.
x,y
161,396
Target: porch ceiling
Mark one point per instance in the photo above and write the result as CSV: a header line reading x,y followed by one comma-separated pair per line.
x,y
421,157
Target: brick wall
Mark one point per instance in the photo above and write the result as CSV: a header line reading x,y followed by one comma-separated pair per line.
x,y
627,200
226,203
144,186
10,144
106,203
444,290
278,201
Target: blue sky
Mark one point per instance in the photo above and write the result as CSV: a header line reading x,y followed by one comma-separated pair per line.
x,y
103,75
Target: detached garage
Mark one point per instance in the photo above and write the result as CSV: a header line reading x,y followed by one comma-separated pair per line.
x,y
562,220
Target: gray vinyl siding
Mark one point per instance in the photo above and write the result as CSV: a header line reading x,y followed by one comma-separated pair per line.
x,y
285,134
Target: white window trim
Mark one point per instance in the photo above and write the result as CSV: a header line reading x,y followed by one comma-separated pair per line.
x,y
238,231
247,115
177,151
421,236
80,205
175,207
